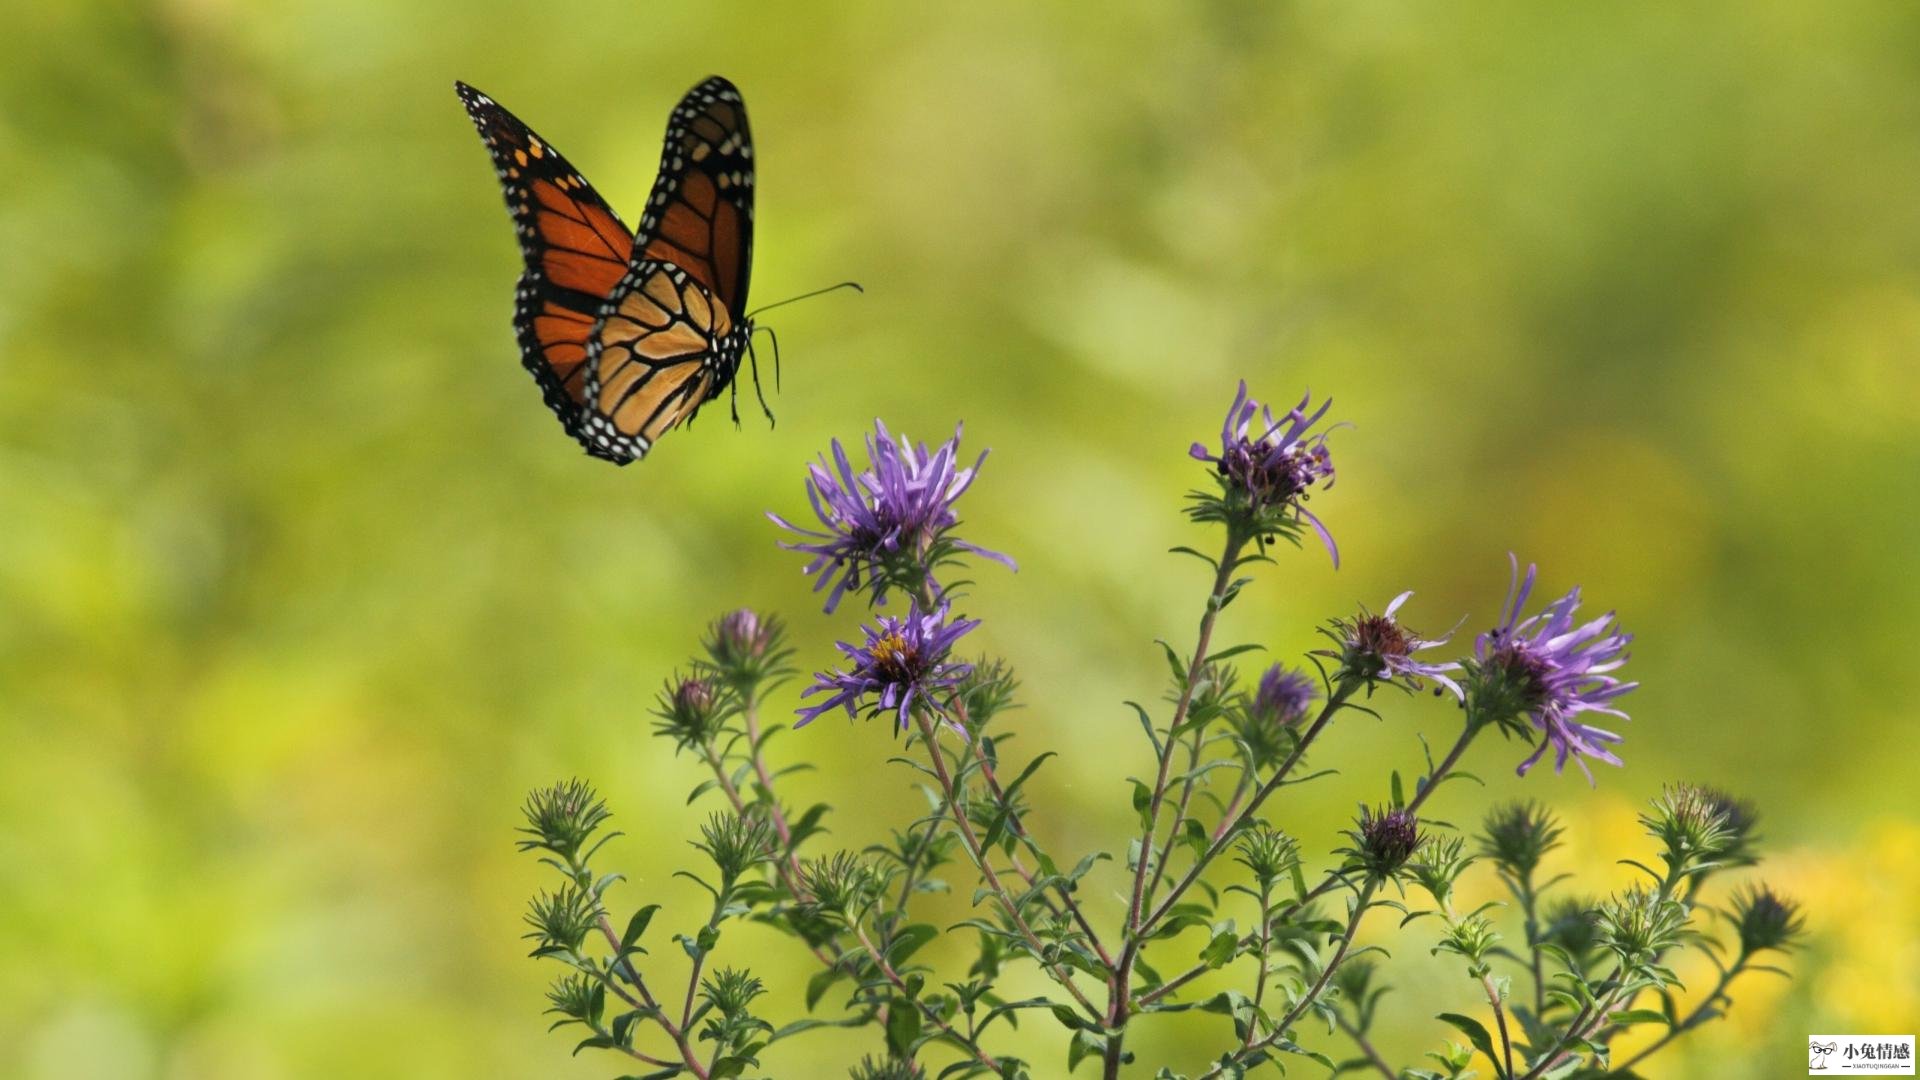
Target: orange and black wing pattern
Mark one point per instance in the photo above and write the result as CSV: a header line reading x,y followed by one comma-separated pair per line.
x,y
700,214
664,346
575,250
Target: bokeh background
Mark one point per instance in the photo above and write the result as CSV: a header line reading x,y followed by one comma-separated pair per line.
x,y
301,588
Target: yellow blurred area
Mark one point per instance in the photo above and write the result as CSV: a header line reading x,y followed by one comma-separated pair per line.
x,y
301,588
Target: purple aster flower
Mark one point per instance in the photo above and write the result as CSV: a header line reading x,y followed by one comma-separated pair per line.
x,y
901,662
1283,697
1378,648
888,524
1552,670
1269,464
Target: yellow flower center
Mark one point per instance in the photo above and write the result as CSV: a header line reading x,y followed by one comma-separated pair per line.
x,y
892,654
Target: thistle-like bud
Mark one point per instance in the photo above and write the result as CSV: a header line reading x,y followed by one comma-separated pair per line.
x,y
1267,853
1384,841
1472,939
692,709
745,648
732,990
577,997
1690,824
735,843
1639,924
561,920
562,818
1572,924
887,1069
984,692
1517,835
1741,817
842,884
1213,693
1353,981
1766,920
1439,865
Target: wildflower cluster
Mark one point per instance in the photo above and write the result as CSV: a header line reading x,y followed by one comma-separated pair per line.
x,y
1264,916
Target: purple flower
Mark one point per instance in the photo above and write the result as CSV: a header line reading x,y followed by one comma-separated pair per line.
x,y
1269,466
1552,669
1380,648
901,662
740,633
886,525
1386,839
1283,697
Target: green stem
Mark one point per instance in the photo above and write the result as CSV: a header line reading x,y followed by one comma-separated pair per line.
x,y
1694,1018
1367,1048
929,734
1313,993
1120,985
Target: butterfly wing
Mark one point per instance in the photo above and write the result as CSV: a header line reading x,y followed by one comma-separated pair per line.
x,y
575,248
700,214
663,347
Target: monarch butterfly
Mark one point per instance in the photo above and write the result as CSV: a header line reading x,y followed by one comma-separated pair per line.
x,y
630,332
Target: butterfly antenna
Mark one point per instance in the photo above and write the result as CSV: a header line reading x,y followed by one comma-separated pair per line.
x,y
854,285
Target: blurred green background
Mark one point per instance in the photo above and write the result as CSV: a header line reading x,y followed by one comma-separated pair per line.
x,y
301,587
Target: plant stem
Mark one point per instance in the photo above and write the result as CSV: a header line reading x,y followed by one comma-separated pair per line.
x,y
1067,899
786,866
957,811
1333,878
900,984
1500,1020
1366,1047
1120,986
674,1031
1272,784
1307,999
1693,1018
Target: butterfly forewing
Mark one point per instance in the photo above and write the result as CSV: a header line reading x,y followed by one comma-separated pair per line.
x,y
575,250
700,214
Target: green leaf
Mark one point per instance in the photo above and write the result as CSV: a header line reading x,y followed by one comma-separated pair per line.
x,y
597,1042
821,982
1068,1018
1628,1017
909,940
903,1027
1084,1044
1220,951
1475,1034
637,926
1026,773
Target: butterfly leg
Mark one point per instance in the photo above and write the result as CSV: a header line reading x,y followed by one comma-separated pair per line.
x,y
754,358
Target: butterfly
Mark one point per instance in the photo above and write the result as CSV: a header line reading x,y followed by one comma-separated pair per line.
x,y
629,332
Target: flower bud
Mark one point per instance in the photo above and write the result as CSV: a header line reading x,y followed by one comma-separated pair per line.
x,y
1766,920
1517,835
1384,841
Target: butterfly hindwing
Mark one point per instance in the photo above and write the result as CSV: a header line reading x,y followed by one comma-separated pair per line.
x,y
575,250
700,214
662,348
